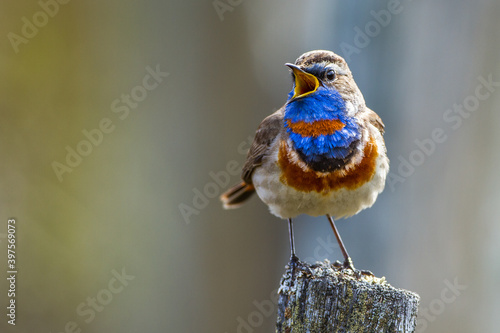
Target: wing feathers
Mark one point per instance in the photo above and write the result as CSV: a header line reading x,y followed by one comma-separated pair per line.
x,y
267,132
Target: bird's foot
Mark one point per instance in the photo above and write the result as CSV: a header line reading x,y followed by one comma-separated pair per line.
x,y
363,272
294,260
349,265
345,265
358,273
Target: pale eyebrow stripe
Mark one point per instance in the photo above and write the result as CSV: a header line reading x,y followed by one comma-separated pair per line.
x,y
338,69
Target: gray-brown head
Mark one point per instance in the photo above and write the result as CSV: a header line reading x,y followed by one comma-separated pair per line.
x,y
329,70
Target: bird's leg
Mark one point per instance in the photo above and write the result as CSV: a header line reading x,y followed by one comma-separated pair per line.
x,y
347,259
293,258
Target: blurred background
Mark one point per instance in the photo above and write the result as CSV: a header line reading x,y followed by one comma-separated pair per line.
x,y
122,121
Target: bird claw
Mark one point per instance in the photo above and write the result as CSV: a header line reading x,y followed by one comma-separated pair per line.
x,y
346,265
294,260
349,265
363,272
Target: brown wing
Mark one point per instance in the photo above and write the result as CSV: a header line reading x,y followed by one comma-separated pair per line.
x,y
265,135
375,120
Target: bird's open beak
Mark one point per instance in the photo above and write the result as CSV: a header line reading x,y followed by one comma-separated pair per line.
x,y
305,83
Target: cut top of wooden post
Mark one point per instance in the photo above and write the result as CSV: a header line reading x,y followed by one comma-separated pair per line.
x,y
327,298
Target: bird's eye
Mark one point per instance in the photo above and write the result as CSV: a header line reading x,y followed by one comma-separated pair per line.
x,y
330,75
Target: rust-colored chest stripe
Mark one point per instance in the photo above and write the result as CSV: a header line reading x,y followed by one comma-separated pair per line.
x,y
319,127
307,181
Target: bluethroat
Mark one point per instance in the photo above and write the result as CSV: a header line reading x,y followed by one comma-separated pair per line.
x,y
322,153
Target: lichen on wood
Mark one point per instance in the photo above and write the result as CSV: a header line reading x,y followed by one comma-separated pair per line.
x,y
325,297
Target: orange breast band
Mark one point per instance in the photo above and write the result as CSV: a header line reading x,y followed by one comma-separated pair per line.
x,y
319,127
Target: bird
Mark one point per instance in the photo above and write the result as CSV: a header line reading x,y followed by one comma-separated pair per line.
x,y
321,153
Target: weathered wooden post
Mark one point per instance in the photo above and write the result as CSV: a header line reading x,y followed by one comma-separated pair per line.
x,y
324,297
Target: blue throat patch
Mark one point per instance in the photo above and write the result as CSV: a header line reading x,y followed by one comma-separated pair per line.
x,y
322,152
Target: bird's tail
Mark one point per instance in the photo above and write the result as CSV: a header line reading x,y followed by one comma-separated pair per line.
x,y
236,195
